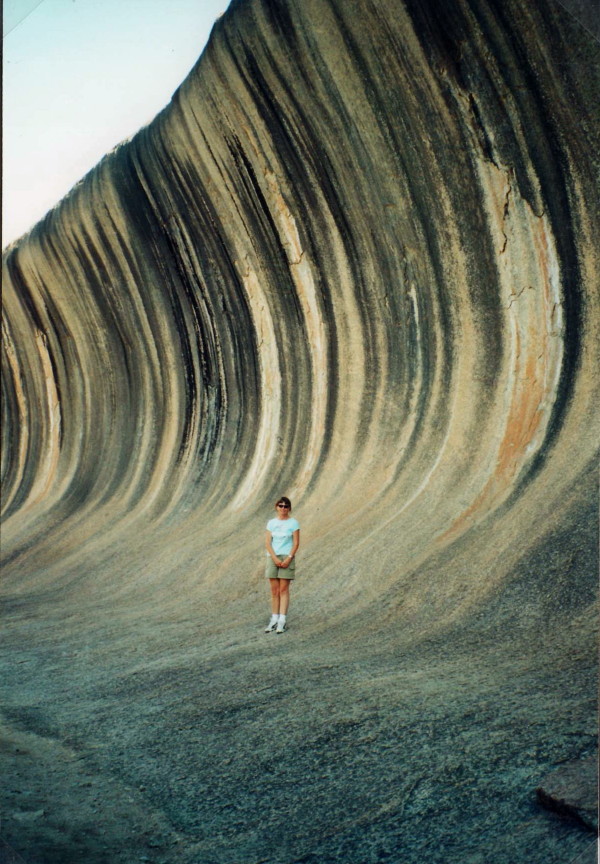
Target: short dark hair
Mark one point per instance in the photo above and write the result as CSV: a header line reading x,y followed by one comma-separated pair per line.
x,y
284,500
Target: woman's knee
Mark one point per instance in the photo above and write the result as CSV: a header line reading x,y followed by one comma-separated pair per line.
x,y
275,589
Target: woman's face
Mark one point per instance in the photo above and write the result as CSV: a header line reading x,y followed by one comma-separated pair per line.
x,y
283,511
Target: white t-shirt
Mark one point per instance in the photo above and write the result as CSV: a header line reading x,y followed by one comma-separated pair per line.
x,y
281,533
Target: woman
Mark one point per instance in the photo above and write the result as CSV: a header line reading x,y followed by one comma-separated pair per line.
x,y
282,541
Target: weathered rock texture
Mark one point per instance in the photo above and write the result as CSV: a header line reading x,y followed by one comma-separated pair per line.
x,y
356,261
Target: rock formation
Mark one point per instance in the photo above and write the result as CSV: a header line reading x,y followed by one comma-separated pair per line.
x,y
354,261
566,791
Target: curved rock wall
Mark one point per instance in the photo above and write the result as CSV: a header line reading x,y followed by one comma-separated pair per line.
x,y
354,260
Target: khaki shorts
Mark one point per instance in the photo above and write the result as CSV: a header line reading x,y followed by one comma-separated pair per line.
x,y
273,572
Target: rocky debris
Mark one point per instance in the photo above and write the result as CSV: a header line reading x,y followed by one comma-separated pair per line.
x,y
572,791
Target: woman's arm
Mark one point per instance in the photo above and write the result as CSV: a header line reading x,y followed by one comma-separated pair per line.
x,y
269,548
295,544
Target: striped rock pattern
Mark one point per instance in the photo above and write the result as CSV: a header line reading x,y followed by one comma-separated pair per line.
x,y
354,261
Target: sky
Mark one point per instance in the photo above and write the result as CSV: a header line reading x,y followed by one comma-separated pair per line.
x,y
80,76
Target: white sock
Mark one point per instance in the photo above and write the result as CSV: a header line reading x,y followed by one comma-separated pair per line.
x,y
282,619
274,618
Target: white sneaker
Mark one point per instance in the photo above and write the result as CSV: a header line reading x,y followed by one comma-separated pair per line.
x,y
272,624
280,627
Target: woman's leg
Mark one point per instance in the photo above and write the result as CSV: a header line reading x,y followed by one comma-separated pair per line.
x,y
284,595
275,595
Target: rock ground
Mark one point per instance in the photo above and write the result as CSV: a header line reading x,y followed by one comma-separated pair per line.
x,y
183,742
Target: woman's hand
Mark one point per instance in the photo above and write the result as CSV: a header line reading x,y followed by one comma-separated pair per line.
x,y
286,563
270,550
